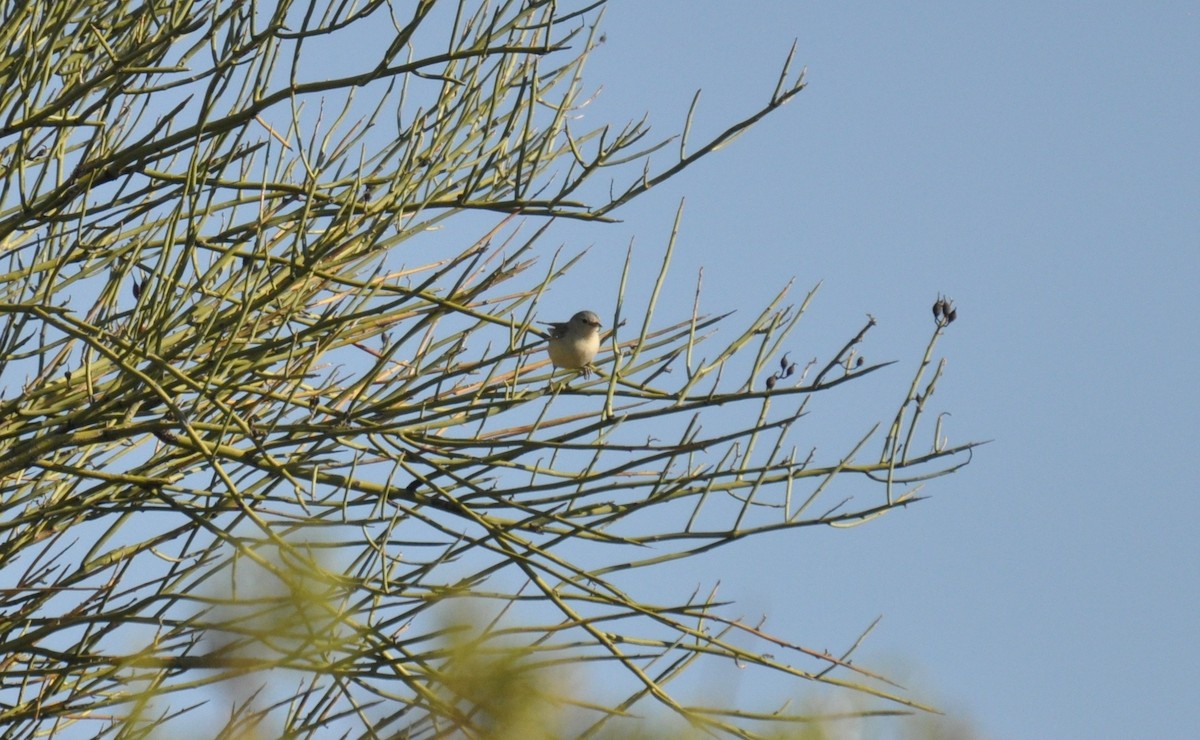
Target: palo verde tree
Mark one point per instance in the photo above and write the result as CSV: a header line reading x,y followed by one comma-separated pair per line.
x,y
282,459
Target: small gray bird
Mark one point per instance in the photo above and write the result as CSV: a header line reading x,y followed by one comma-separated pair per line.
x,y
574,343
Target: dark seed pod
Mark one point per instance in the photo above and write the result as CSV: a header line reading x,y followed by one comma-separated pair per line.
x,y
858,362
770,382
938,308
137,290
951,315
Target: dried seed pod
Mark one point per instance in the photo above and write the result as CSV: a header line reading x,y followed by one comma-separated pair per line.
x,y
938,308
137,290
859,361
951,315
770,382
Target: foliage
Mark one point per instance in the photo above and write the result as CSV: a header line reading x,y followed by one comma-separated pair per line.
x,y
271,443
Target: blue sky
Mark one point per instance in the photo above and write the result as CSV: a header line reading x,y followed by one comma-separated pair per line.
x,y
1041,164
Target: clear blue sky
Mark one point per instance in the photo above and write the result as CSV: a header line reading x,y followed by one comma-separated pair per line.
x,y
1039,162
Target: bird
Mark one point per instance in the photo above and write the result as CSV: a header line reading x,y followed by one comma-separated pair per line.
x,y
574,343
